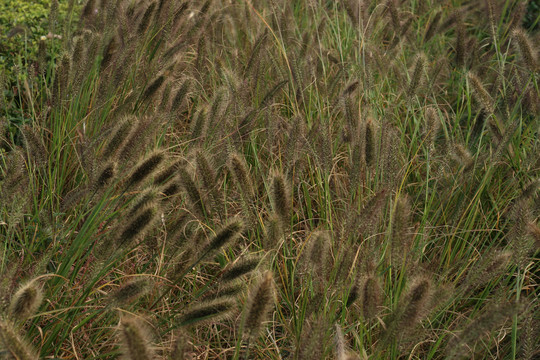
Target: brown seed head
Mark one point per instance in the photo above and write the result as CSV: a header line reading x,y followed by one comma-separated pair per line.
x,y
371,297
281,197
129,292
261,300
137,226
207,311
193,192
145,168
26,301
525,48
225,235
118,137
481,93
238,168
105,176
135,340
240,268
14,344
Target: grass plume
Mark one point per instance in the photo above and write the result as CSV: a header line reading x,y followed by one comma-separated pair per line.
x,y
226,234
135,340
145,168
207,311
26,300
281,197
17,347
526,49
261,300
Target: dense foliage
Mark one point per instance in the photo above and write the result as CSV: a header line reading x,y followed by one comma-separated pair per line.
x,y
29,30
273,179
532,16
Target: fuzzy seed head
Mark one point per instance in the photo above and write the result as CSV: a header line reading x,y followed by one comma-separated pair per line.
x,y
371,297
136,140
281,197
418,74
207,311
34,145
487,322
226,235
106,176
200,125
63,73
261,300
108,53
273,232
372,212
145,20
153,87
481,93
312,339
229,290
143,200
394,15
463,155
117,139
353,295
490,266
136,228
240,172
418,299
433,125
180,346
526,49
534,231
130,291
180,95
341,353
166,174
192,191
26,301
317,255
205,170
241,268
460,41
370,152
171,188
433,26
14,344
146,167
135,342
88,9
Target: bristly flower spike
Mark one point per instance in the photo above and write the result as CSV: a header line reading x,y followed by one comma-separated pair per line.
x,y
481,93
26,300
140,223
14,344
145,168
226,235
135,340
281,197
261,299
526,49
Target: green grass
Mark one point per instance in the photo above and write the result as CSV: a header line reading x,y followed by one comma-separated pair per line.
x,y
386,179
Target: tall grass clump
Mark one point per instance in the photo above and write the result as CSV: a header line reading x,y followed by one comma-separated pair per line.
x,y
272,180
